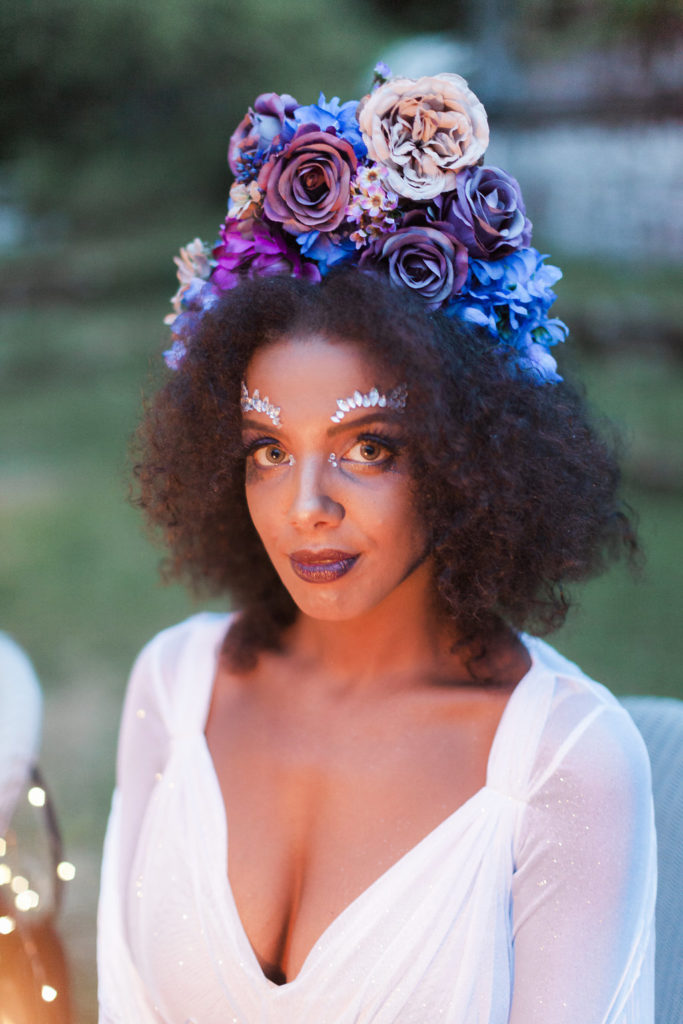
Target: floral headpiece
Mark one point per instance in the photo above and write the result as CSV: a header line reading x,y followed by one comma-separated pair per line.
x,y
395,183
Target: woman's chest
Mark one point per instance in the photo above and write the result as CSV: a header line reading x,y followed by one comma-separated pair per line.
x,y
318,812
396,952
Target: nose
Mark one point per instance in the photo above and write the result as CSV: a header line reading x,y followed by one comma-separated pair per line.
x,y
312,504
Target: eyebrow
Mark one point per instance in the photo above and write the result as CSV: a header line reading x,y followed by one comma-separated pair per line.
x,y
360,421
250,424
348,423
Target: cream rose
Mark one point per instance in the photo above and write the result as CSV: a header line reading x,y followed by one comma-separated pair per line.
x,y
423,131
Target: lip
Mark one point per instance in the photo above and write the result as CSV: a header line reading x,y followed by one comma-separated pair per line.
x,y
322,566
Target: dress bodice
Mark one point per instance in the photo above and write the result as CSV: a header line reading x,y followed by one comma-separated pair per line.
x,y
484,920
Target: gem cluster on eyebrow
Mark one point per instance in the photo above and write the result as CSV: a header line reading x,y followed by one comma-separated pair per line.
x,y
396,399
257,404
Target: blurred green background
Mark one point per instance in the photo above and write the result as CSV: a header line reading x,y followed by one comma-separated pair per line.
x,y
115,120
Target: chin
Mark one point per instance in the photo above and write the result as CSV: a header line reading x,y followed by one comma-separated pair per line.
x,y
342,601
332,608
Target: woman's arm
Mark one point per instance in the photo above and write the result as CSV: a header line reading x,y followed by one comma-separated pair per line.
x,y
142,752
584,885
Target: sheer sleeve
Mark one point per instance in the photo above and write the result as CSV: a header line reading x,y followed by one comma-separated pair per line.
x,y
157,707
142,753
585,877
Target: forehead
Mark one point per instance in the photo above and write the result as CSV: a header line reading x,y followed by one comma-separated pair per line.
x,y
309,373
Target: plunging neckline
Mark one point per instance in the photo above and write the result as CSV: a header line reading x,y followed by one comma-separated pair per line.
x,y
394,868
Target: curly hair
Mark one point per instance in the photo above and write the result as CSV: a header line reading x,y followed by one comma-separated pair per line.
x,y
517,487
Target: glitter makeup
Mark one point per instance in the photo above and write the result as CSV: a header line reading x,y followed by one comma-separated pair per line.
x,y
258,404
395,399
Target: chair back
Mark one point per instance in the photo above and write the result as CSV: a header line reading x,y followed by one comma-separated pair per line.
x,y
660,722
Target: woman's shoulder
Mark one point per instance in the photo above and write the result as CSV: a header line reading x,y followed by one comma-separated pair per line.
x,y
184,651
568,685
197,628
577,724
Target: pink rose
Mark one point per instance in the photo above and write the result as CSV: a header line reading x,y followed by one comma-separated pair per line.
x,y
307,185
424,131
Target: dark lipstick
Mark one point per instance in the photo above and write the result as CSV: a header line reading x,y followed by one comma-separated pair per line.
x,y
322,566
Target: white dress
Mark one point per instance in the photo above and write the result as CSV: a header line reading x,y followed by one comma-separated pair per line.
x,y
533,903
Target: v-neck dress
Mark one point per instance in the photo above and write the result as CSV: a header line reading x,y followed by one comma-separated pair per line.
x,y
533,903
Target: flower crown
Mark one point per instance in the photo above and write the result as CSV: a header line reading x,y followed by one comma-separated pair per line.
x,y
395,183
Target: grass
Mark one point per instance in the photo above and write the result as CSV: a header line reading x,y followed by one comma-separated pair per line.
x,y
78,579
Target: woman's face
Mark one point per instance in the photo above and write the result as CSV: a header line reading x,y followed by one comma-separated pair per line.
x,y
331,499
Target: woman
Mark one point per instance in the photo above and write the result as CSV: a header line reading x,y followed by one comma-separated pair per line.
x,y
432,816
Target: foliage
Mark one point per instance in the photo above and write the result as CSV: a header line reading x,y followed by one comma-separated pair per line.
x,y
95,93
86,73
647,23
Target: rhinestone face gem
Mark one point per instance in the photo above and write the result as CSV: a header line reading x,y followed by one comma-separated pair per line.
x,y
396,399
259,404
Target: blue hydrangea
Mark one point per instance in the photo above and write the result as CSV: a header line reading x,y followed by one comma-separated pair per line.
x,y
325,249
329,114
511,297
197,297
174,355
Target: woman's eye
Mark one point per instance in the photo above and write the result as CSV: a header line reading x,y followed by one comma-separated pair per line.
x,y
368,452
269,455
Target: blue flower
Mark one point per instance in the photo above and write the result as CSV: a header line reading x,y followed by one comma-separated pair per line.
x,y
536,360
381,72
329,115
197,296
511,297
174,355
325,249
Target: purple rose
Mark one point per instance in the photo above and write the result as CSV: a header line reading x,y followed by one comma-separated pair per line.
x,y
307,186
259,129
424,257
248,249
486,213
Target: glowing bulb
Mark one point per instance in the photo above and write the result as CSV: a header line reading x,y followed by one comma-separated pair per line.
x,y
7,924
36,796
48,993
5,874
66,871
3,847
19,883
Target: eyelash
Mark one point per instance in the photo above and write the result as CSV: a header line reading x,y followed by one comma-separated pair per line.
x,y
391,445
252,447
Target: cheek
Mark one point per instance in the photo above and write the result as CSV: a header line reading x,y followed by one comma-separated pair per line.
x,y
261,505
394,513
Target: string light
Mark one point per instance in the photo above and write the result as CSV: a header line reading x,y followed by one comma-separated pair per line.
x,y
27,900
66,871
36,796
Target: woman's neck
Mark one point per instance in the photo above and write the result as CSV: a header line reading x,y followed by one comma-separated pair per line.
x,y
401,638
